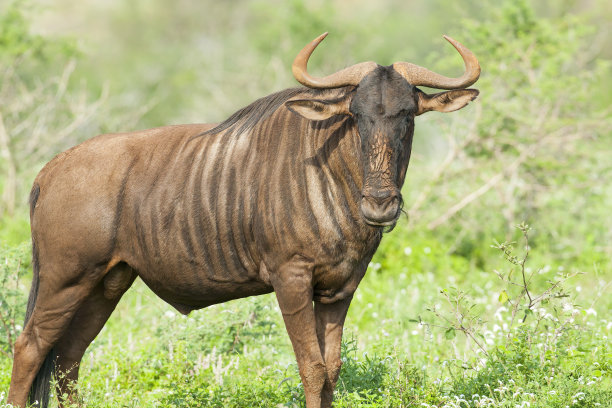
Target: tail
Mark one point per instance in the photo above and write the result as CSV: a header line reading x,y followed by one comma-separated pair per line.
x,y
39,393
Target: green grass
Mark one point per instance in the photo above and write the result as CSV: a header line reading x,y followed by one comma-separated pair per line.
x,y
397,351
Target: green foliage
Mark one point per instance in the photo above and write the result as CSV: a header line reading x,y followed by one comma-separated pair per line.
x,y
440,319
359,377
15,37
300,22
532,356
14,231
14,263
229,331
19,43
531,147
38,114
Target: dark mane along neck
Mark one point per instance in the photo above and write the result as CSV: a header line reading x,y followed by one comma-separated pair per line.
x,y
249,116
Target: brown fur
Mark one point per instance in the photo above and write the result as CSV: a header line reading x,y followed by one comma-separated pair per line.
x,y
266,201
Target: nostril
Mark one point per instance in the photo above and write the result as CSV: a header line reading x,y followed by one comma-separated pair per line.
x,y
381,197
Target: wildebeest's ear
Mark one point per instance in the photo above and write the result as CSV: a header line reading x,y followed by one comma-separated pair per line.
x,y
445,101
316,109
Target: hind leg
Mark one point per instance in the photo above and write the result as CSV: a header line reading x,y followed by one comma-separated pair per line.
x,y
56,304
85,326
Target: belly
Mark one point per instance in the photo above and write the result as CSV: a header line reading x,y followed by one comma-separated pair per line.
x,y
191,265
188,289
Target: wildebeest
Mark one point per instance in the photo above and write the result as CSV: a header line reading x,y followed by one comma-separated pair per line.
x,y
290,194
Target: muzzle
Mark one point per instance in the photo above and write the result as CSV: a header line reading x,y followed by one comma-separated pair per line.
x,y
381,208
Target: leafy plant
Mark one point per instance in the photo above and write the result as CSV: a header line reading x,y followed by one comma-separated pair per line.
x,y
14,263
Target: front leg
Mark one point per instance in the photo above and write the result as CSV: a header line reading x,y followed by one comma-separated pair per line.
x,y
293,286
330,322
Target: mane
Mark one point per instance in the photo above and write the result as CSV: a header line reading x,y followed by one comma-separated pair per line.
x,y
247,117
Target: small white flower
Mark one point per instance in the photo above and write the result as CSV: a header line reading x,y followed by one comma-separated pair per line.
x,y
591,311
427,250
408,251
498,313
546,269
169,314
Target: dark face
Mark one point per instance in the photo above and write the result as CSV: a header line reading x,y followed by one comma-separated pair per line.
x,y
384,106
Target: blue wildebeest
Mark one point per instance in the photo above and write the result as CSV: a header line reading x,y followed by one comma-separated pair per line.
x,y
291,195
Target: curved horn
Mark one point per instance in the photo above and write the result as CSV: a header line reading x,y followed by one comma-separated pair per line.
x,y
418,75
348,76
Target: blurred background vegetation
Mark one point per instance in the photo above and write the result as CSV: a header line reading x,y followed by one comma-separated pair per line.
x,y
535,147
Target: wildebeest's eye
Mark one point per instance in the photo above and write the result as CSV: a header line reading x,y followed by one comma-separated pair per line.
x,y
405,115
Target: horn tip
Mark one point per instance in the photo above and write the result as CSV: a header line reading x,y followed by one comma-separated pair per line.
x,y
454,42
318,40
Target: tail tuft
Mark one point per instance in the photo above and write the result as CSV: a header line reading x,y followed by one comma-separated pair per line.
x,y
41,387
